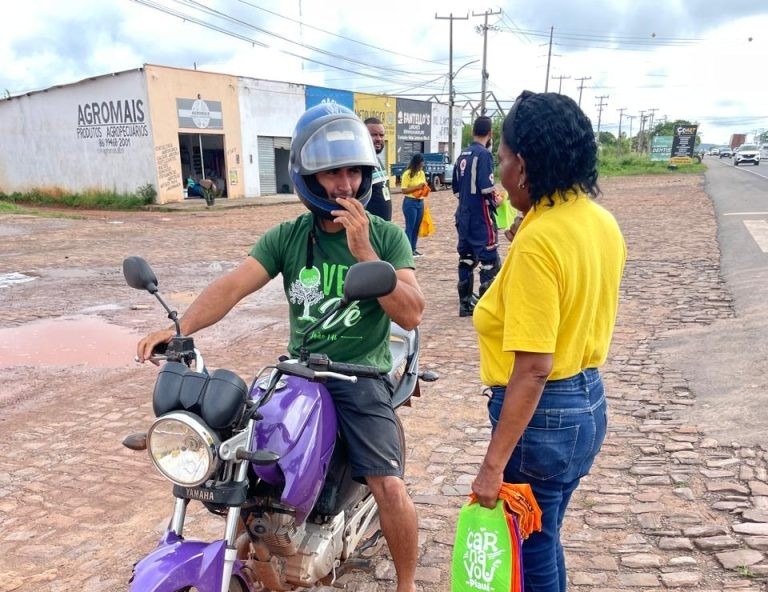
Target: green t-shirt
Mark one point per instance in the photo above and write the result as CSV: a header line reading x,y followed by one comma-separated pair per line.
x,y
358,334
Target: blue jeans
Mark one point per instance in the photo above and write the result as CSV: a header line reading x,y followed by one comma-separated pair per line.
x,y
555,451
413,212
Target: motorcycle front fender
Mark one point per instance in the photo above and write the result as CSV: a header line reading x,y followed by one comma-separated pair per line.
x,y
177,564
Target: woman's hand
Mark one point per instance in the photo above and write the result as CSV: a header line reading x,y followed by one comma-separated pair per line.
x,y
510,232
487,485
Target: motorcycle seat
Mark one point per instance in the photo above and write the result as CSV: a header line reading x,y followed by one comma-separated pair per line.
x,y
402,344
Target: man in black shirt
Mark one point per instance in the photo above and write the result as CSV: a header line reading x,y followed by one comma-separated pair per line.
x,y
381,202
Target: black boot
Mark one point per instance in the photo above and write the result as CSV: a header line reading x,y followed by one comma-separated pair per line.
x,y
466,306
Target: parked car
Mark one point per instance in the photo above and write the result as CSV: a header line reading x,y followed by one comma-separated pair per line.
x,y
763,151
725,152
714,151
747,153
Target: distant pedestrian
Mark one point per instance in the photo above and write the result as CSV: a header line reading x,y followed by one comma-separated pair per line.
x,y
380,203
413,183
473,185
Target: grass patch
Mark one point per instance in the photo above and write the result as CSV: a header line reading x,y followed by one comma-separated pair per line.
x,y
9,208
746,571
611,165
88,200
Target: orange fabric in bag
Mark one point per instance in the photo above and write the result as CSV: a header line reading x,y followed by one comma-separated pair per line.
x,y
520,503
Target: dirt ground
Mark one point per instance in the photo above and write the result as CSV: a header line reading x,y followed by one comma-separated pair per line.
x,y
77,509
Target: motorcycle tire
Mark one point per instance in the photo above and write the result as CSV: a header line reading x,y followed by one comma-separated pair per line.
x,y
235,585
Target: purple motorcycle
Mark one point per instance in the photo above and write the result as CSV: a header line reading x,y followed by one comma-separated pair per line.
x,y
266,457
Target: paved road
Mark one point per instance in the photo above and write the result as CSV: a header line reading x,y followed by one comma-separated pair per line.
x,y
667,507
726,361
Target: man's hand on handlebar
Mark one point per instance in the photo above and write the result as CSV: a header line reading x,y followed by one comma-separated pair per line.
x,y
147,346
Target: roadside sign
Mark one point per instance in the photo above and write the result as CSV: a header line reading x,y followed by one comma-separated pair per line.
x,y
683,143
661,148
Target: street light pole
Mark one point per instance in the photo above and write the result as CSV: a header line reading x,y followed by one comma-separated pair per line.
x,y
451,92
451,18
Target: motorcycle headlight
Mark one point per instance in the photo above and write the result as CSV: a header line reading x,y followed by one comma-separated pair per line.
x,y
183,448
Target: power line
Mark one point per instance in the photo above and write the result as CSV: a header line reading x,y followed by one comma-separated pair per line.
x,y
377,48
254,42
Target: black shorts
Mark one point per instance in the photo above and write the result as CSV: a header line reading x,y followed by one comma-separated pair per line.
x,y
369,427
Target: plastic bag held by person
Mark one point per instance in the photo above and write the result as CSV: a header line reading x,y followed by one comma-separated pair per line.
x,y
487,554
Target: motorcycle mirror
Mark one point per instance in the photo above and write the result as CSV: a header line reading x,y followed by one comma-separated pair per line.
x,y
138,274
369,279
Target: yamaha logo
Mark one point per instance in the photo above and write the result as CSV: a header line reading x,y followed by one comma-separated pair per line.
x,y
199,494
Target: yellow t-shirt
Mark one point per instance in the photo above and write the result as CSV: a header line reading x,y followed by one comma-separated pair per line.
x,y
557,291
408,180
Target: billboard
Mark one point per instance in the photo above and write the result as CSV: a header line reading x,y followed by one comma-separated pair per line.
x,y
683,143
413,127
661,148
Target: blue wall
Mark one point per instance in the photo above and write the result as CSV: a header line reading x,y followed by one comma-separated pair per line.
x,y
315,95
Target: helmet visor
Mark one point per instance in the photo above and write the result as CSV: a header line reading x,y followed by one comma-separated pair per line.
x,y
339,143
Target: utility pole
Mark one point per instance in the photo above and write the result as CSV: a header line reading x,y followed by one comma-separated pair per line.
x,y
581,85
486,14
650,119
640,138
631,119
549,57
560,78
600,105
621,116
450,18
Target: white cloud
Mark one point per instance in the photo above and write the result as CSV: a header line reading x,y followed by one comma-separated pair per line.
x,y
699,65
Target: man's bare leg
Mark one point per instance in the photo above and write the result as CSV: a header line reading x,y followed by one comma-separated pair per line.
x,y
397,516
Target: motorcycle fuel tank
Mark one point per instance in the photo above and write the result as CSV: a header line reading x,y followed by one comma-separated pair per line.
x,y
299,424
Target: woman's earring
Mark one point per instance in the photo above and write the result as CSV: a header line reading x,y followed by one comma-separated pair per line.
x,y
521,185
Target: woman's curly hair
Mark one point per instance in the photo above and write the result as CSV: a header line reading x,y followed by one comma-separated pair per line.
x,y
555,139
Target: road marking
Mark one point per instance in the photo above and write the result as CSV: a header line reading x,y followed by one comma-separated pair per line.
x,y
759,231
741,168
746,214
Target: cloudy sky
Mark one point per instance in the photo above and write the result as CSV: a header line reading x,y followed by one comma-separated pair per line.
x,y
699,60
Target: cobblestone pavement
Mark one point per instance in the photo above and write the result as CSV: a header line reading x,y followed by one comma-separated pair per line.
x,y
665,508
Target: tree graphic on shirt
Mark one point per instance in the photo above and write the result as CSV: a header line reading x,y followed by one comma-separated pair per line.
x,y
305,291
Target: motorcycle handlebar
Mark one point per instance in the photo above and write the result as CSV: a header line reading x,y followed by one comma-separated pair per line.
x,y
338,370
354,369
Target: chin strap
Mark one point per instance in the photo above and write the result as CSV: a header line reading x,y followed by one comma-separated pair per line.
x,y
312,242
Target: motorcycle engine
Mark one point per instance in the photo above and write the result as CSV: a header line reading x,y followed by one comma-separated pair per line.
x,y
299,555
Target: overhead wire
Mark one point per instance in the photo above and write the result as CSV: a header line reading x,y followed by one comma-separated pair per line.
x,y
187,17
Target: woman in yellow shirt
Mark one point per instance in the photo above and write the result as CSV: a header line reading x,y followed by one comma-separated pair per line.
x,y
413,183
546,322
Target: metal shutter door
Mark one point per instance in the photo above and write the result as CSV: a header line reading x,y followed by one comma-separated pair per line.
x,y
267,178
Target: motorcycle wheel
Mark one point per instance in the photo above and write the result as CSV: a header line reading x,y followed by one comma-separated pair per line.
x,y
235,585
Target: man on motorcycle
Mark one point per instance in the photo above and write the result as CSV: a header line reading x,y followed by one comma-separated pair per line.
x,y
332,162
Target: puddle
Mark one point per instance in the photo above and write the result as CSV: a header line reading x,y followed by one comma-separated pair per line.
x,y
68,341
8,279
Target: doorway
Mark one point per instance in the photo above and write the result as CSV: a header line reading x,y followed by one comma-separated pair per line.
x,y
202,157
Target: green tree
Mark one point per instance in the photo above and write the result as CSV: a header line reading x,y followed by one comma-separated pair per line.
x,y
606,139
466,133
